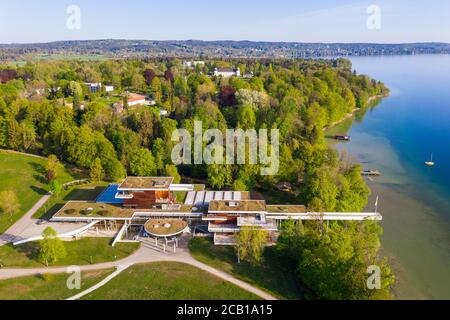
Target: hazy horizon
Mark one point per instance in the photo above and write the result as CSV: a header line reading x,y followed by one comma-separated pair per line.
x,y
221,40
326,21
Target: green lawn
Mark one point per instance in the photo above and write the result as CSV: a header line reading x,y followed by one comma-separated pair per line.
x,y
85,192
274,275
180,196
25,176
80,252
48,286
168,281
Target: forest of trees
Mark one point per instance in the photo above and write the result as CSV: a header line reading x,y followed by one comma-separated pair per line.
x,y
48,110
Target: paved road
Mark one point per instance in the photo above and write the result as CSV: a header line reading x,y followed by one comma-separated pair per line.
x,y
145,254
14,232
28,227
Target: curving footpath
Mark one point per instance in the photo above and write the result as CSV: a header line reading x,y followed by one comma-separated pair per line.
x,y
145,254
24,223
28,229
100,284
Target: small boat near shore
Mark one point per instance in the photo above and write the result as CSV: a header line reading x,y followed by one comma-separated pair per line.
x,y
371,173
342,138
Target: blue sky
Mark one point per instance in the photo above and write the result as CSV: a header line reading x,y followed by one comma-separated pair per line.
x,y
282,20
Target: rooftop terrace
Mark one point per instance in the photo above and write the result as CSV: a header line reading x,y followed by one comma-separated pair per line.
x,y
146,183
250,206
165,227
286,209
93,210
82,210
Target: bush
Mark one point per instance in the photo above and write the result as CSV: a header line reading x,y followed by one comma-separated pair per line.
x,y
103,213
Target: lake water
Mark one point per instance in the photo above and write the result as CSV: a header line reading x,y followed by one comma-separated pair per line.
x,y
397,137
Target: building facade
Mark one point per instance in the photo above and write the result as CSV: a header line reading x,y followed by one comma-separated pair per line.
x,y
138,201
97,87
227,72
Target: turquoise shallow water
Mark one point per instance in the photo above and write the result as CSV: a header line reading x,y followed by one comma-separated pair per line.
x,y
397,137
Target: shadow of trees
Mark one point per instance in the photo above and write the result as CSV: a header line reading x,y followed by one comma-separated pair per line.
x,y
84,194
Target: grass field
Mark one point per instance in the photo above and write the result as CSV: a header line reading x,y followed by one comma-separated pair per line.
x,y
25,176
168,281
274,275
48,286
80,252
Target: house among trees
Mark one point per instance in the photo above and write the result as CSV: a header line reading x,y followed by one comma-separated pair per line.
x,y
135,99
118,107
140,201
227,72
97,87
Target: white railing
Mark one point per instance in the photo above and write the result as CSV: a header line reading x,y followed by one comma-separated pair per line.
x,y
222,228
338,216
119,235
181,187
70,234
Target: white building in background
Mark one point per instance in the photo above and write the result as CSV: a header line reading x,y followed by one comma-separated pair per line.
x,y
133,99
109,88
227,72
95,87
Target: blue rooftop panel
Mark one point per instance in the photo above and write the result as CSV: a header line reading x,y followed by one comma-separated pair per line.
x,y
109,195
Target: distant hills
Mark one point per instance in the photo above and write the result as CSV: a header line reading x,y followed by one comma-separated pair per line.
x,y
216,49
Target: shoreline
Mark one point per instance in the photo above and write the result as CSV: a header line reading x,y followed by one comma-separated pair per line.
x,y
354,111
408,230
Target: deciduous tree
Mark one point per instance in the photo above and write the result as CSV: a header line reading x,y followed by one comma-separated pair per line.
x,y
96,171
250,244
51,247
9,204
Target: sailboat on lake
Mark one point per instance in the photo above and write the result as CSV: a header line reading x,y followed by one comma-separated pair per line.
x,y
430,163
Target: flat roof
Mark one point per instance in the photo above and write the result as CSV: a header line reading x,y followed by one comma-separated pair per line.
x,y
165,227
103,211
286,209
146,183
93,210
237,206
